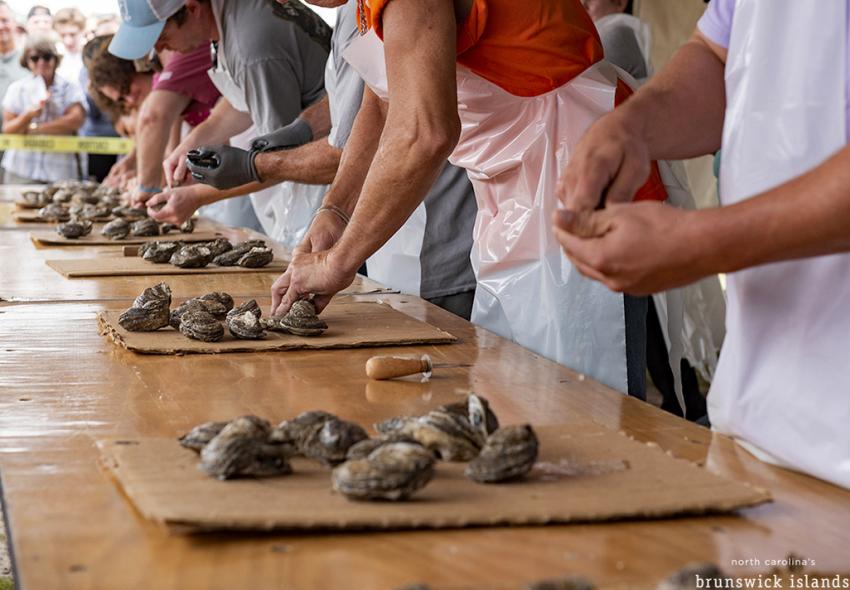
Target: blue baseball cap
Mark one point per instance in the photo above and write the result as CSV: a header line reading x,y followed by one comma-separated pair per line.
x,y
142,24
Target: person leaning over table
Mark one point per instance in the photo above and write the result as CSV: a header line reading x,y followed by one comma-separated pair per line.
x,y
498,82
43,103
269,68
429,259
782,234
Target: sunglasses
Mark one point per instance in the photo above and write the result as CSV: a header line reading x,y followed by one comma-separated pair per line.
x,y
46,57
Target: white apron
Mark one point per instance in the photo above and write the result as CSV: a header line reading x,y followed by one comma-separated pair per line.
x,y
284,210
782,382
507,146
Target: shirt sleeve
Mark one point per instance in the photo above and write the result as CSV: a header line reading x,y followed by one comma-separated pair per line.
x,y
716,22
187,75
271,77
74,95
12,102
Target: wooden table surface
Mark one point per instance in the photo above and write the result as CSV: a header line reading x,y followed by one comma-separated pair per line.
x,y
62,387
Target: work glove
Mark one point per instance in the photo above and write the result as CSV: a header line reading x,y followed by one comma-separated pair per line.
x,y
293,135
222,166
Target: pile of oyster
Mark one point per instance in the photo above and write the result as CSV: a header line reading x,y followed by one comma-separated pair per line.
x,y
135,222
73,200
249,254
400,460
205,318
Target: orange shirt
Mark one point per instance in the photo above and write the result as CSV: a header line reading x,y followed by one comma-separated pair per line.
x,y
528,48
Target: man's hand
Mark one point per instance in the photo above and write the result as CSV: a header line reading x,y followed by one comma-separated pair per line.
x,y
174,168
291,136
638,248
310,274
179,204
222,166
324,232
609,165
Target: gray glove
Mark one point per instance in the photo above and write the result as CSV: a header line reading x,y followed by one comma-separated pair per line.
x,y
222,166
293,135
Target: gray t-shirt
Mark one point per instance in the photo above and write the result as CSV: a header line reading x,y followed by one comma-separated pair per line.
x,y
450,205
10,70
622,49
274,60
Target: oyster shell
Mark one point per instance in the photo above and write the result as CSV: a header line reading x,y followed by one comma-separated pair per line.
x,y
249,306
567,583
364,448
159,292
36,198
477,410
54,212
167,228
149,317
200,325
242,448
509,453
329,441
89,211
219,246
220,297
232,257
391,472
158,252
302,319
84,197
197,438
256,258
213,303
295,430
129,213
245,326
117,229
192,256
63,195
447,434
74,229
187,226
145,227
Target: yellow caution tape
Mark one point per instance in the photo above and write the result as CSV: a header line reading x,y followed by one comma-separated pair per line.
x,y
65,144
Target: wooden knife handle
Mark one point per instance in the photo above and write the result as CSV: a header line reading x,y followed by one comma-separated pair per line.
x,y
388,367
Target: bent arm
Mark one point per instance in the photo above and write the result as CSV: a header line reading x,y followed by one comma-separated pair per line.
x,y
68,124
223,123
313,163
159,112
422,126
679,113
14,123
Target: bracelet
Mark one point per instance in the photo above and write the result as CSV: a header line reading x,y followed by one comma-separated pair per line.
x,y
336,211
151,190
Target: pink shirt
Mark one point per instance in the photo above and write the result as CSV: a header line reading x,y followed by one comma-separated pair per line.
x,y
186,74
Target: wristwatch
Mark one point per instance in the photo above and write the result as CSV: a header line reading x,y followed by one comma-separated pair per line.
x,y
33,126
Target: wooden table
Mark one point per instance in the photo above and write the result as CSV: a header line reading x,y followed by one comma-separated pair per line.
x,y
62,387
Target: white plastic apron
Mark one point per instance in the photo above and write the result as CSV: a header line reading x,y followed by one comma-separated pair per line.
x,y
782,382
396,264
284,210
514,150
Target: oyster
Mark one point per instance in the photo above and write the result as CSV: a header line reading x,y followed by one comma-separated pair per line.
x,y
212,303
145,227
567,583
302,319
129,213
242,448
220,297
391,472
192,256
274,325
245,326
477,410
158,252
448,434
329,441
159,292
219,246
54,212
187,226
81,196
256,258
295,430
62,195
36,198
197,438
200,325
167,228
232,257
509,453
364,448
149,317
249,306
89,211
74,229
117,229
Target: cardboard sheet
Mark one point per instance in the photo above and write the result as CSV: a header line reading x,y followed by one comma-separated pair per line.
x,y
351,324
51,238
133,266
32,216
583,474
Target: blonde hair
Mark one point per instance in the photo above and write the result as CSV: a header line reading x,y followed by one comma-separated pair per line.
x,y
70,16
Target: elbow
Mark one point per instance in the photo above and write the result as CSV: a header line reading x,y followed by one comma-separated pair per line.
x,y
152,119
430,142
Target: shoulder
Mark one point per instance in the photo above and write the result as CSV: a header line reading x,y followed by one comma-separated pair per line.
x,y
716,22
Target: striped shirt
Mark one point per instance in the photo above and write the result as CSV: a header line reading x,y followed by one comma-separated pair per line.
x,y
42,166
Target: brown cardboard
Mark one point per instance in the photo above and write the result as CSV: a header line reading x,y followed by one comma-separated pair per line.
x,y
32,216
51,238
351,324
584,474
133,266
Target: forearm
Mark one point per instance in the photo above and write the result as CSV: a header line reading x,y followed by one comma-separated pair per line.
x,y
314,163
67,124
318,116
680,112
18,124
808,216
223,123
152,137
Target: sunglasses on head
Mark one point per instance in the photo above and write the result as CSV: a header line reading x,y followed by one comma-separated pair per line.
x,y
41,56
